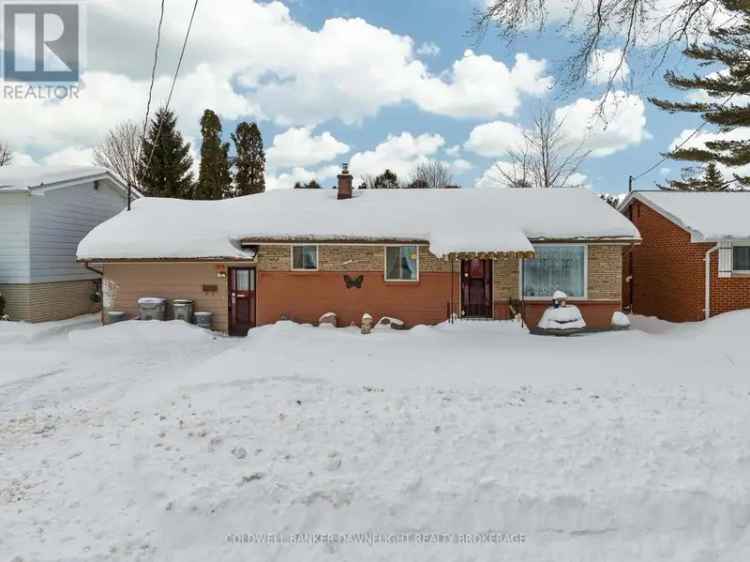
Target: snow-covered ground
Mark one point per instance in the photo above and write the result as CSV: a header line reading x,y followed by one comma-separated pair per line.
x,y
149,441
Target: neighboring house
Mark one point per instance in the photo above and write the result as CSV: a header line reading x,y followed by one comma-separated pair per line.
x,y
419,255
694,261
45,211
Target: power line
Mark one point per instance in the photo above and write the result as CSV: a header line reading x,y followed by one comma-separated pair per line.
x,y
171,89
153,68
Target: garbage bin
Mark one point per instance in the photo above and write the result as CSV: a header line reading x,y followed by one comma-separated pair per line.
x,y
152,308
204,319
183,310
113,317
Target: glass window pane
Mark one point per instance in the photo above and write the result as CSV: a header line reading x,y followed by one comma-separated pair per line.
x,y
401,263
555,268
741,258
242,279
305,257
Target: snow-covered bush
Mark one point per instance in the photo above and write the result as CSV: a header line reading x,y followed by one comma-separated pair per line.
x,y
562,318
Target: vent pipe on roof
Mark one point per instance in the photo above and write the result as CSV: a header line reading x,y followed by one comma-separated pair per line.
x,y
345,182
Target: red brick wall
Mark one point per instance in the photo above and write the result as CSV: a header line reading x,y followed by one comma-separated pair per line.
x,y
668,273
306,296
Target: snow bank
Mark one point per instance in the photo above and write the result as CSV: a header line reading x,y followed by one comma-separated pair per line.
x,y
620,320
562,318
450,220
708,216
137,334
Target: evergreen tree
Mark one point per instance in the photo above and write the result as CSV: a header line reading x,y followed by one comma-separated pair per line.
x,y
214,180
727,46
386,180
170,171
250,161
312,184
712,180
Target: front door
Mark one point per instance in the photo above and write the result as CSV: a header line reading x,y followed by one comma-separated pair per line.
x,y
241,300
476,288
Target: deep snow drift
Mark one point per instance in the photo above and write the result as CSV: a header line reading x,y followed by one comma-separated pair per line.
x,y
159,441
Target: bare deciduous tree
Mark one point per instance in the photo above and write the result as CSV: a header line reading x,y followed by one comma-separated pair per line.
x,y
6,156
121,152
636,23
547,157
432,174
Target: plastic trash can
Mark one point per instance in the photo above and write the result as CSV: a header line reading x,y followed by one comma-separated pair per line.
x,y
204,319
113,317
183,310
152,308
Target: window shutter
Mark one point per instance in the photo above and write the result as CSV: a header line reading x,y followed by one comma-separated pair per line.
x,y
725,259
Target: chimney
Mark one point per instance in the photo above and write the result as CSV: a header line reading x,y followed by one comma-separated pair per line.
x,y
345,183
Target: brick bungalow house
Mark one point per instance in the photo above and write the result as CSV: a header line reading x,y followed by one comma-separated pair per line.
x,y
694,261
419,255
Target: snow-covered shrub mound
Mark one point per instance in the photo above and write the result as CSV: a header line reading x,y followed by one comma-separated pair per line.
x,y
387,323
620,320
136,333
563,318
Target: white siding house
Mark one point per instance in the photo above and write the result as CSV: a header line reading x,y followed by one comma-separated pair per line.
x,y
44,214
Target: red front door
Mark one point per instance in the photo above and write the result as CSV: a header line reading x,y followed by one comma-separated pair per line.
x,y
476,288
241,300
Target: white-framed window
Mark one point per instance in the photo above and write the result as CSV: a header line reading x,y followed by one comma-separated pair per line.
x,y
402,263
741,258
555,267
305,257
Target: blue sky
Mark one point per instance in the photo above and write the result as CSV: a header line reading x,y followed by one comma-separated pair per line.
x,y
347,80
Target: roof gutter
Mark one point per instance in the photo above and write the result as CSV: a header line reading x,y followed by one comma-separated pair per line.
x,y
87,266
707,260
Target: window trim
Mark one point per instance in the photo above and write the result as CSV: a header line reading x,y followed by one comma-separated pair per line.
x,y
743,244
385,263
585,296
317,257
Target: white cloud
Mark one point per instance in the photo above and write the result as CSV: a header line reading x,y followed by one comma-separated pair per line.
x,y
459,166
348,69
428,49
623,123
454,150
604,65
399,154
494,139
300,147
480,86
492,177
72,156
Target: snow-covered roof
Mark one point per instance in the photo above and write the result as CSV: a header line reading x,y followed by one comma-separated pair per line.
x,y
449,220
707,216
28,178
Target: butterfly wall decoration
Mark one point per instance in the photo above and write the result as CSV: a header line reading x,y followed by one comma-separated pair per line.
x,y
354,282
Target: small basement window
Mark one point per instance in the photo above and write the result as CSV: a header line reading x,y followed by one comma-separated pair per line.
x,y
741,259
304,258
401,263
555,268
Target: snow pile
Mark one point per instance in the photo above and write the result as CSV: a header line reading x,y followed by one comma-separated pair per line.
x,y
708,216
450,220
620,320
587,450
562,318
139,334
